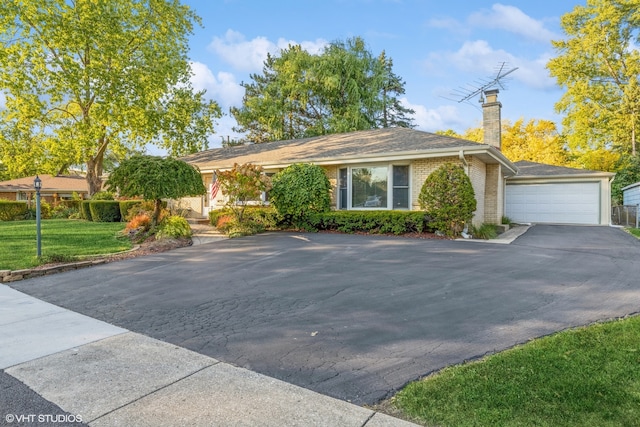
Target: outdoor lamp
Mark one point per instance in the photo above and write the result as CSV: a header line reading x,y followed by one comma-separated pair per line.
x,y
37,184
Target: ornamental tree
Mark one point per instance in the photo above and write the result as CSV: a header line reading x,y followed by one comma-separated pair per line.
x,y
448,197
242,184
156,178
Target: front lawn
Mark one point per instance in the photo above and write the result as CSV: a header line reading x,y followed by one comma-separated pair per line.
x,y
587,376
62,239
634,231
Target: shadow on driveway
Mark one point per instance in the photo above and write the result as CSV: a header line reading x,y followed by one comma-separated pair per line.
x,y
357,317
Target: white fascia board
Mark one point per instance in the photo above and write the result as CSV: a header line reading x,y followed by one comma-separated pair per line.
x,y
391,157
561,178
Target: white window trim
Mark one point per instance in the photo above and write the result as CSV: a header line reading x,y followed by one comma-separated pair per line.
x,y
389,166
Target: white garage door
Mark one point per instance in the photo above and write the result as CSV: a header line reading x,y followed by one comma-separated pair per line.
x,y
566,203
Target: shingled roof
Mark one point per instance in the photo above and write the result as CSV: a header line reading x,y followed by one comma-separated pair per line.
x,y
364,145
49,183
532,169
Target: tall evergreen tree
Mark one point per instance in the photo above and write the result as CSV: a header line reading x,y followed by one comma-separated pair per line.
x,y
300,95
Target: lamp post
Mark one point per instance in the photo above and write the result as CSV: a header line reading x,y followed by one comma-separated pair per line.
x,y
37,184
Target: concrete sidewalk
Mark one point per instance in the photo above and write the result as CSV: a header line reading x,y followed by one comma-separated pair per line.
x,y
103,375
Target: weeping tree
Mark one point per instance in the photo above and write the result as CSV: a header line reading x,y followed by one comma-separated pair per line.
x,y
85,79
156,178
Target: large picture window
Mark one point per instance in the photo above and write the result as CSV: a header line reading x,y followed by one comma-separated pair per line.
x,y
374,187
369,187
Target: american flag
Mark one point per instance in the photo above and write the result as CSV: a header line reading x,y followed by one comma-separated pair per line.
x,y
215,186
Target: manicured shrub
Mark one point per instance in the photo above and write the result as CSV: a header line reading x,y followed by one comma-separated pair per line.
x,y
265,217
174,226
215,215
102,195
61,211
11,210
300,190
105,210
375,222
226,221
85,210
448,197
45,210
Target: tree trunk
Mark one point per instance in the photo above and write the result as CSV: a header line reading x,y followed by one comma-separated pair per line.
x,y
94,177
157,207
94,167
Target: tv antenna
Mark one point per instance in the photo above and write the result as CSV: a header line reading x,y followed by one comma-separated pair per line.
x,y
464,94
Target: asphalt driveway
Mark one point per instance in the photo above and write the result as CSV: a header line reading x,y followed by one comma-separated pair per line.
x,y
357,317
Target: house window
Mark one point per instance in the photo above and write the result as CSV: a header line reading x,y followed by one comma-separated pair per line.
x,y
343,189
400,187
369,187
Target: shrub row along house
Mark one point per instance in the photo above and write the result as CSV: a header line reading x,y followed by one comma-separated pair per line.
x,y
385,169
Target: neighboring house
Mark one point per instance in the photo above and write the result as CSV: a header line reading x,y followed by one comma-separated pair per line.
x,y
631,195
54,188
386,168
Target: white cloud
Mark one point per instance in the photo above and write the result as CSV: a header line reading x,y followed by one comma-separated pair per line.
x,y
479,59
514,20
242,54
221,87
435,119
449,24
249,55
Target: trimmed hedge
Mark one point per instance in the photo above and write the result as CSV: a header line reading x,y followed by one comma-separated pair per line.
x,y
266,217
374,222
85,211
105,210
10,210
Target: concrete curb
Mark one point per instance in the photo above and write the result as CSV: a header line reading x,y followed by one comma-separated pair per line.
x,y
505,238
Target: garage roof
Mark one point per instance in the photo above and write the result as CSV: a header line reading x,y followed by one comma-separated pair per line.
x,y
541,170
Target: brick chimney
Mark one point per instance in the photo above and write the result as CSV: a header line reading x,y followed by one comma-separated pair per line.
x,y
491,119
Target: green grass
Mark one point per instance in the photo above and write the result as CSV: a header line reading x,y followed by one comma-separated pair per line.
x,y
634,231
582,377
62,239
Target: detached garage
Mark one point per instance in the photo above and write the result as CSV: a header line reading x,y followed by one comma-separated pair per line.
x,y
542,193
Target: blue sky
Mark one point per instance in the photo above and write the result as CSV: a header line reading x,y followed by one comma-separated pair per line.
x,y
438,48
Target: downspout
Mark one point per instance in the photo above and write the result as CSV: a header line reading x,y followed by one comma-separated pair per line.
x,y
465,233
613,178
464,161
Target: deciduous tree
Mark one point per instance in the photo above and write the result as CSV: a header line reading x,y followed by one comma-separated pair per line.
x,y
598,64
242,184
86,77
